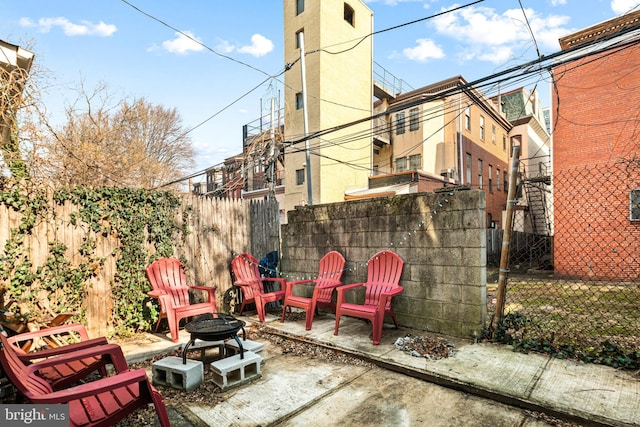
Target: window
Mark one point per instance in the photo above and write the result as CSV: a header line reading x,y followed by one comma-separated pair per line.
x,y
299,176
506,181
415,162
498,179
400,123
414,119
298,38
467,161
467,118
493,133
401,164
258,166
490,175
349,15
299,6
479,173
299,101
504,142
634,205
482,127
515,140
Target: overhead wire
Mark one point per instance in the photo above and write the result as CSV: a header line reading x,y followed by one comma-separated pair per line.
x,y
193,39
287,67
524,70
395,27
519,77
425,116
511,80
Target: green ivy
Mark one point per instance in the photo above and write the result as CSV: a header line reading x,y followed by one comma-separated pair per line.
x,y
138,218
512,330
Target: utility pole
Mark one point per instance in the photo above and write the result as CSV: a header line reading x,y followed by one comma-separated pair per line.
x,y
272,154
506,238
306,117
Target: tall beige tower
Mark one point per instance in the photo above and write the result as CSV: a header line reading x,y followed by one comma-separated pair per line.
x,y
338,74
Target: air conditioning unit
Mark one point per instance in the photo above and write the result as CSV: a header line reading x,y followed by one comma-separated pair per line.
x,y
447,173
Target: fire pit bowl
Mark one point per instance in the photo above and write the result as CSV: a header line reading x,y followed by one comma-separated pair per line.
x,y
214,329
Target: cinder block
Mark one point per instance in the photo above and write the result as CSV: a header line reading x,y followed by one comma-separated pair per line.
x,y
247,345
233,371
203,346
172,373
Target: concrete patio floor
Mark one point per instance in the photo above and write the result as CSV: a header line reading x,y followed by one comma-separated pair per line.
x,y
481,385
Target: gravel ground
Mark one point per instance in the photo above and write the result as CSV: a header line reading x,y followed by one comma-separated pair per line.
x,y
433,348
211,393
418,346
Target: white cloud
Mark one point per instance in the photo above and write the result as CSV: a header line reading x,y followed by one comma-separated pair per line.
x,y
426,49
558,2
224,46
85,28
183,43
260,46
496,37
623,6
496,54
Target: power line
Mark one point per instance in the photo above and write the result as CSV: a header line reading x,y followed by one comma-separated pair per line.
x,y
525,69
192,38
395,28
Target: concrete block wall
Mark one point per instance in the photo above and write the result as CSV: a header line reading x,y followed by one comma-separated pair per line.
x,y
441,237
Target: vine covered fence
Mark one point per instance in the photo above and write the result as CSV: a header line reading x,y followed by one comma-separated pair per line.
x,y
85,251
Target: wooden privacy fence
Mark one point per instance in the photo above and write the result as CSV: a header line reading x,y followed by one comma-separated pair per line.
x,y
211,232
219,229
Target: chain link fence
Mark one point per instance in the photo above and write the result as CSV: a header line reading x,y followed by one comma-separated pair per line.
x,y
573,280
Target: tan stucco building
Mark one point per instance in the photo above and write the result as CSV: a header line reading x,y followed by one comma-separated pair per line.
x,y
338,74
450,133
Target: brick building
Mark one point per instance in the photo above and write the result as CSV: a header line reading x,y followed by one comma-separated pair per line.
x,y
595,152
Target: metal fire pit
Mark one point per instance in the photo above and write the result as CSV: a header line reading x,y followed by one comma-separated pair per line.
x,y
214,329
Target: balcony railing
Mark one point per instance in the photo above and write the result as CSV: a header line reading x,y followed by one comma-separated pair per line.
x,y
262,124
388,82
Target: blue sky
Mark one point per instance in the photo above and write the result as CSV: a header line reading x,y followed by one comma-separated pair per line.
x,y
110,41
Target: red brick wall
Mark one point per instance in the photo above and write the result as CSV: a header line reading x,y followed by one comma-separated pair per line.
x,y
595,141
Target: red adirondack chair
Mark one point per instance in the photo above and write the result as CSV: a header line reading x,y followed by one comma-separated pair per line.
x,y
247,277
64,374
169,283
383,277
102,402
329,275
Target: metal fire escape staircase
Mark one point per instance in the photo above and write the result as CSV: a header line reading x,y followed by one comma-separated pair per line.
x,y
536,190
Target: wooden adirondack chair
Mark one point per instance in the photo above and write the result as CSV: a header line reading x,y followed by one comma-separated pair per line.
x,y
329,275
247,278
61,375
169,283
383,277
102,402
